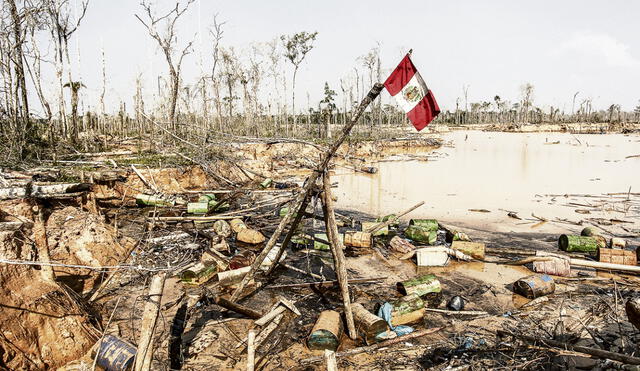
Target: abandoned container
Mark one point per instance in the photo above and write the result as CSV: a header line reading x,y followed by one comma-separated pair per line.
x,y
633,311
408,309
198,274
534,286
432,256
266,183
231,277
368,325
218,205
381,232
222,228
559,266
572,243
428,224
588,232
326,332
237,225
617,256
455,303
198,207
317,245
473,249
453,235
421,234
250,236
114,354
300,241
420,286
152,200
399,244
357,239
617,243
284,211
602,241
387,218
207,198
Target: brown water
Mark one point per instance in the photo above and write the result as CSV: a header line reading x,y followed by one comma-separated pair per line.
x,y
499,172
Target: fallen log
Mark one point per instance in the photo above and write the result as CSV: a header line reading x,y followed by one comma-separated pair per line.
x,y
44,190
371,348
602,354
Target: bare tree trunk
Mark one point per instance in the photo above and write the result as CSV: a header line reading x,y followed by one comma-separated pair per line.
x,y
19,66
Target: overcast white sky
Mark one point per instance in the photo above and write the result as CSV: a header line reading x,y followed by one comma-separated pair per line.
x,y
561,47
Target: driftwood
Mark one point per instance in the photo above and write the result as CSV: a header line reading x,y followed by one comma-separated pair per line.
x,y
302,196
602,354
371,348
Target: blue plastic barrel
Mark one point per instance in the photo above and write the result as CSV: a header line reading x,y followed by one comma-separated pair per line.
x,y
115,354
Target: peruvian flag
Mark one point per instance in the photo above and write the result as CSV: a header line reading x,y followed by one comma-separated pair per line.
x,y
412,94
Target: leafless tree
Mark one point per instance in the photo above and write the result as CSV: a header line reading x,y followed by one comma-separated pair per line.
x,y
168,41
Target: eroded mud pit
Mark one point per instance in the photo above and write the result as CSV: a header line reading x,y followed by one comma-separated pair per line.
x,y
52,324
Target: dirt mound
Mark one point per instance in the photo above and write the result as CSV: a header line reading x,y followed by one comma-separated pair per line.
x,y
79,237
43,326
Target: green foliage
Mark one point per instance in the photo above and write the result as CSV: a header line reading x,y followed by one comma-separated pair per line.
x,y
329,97
298,45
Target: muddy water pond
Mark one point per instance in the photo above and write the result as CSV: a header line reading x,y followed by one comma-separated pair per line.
x,y
497,172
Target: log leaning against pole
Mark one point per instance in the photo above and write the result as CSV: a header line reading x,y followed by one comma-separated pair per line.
x,y
311,181
336,247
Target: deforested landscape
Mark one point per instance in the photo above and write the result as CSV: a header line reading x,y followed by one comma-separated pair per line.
x,y
192,185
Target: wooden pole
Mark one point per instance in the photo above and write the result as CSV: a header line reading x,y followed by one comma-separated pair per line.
x,y
338,254
148,324
330,360
299,201
251,350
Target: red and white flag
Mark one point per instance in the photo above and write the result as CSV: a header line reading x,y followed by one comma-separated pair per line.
x,y
412,94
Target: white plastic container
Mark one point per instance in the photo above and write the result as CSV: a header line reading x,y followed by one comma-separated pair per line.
x,y
436,256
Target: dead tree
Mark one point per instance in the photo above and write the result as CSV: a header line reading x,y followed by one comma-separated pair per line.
x,y
168,43
74,87
61,26
18,58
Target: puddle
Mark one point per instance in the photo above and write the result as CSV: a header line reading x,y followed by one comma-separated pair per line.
x,y
494,171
